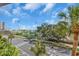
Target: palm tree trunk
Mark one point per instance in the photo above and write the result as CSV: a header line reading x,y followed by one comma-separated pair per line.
x,y
75,43
11,40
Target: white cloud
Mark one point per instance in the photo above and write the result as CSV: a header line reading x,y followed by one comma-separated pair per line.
x,y
5,12
34,26
23,27
55,13
16,11
53,21
14,20
30,27
50,21
31,6
65,9
71,4
48,7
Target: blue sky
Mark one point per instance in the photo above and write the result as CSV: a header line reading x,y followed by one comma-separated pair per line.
x,y
31,15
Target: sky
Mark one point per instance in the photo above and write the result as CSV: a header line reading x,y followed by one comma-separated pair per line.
x,y
30,15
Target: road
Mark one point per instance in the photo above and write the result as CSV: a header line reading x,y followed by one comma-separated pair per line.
x,y
25,51
23,46
56,51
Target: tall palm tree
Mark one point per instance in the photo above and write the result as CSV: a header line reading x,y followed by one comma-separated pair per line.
x,y
73,16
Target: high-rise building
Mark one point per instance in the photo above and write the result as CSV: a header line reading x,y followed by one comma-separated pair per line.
x,y
2,25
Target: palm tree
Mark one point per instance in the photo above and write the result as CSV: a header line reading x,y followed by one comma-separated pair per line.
x,y
0,36
73,16
10,37
39,48
65,16
62,28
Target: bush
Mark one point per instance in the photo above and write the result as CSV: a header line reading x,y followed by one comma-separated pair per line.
x,y
7,49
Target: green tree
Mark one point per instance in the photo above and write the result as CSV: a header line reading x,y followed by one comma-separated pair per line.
x,y
0,36
39,48
61,29
45,31
73,16
52,32
10,37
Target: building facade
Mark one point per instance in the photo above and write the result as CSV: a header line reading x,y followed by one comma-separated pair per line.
x,y
2,26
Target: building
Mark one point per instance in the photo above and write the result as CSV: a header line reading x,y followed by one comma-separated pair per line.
x,y
3,29
2,26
